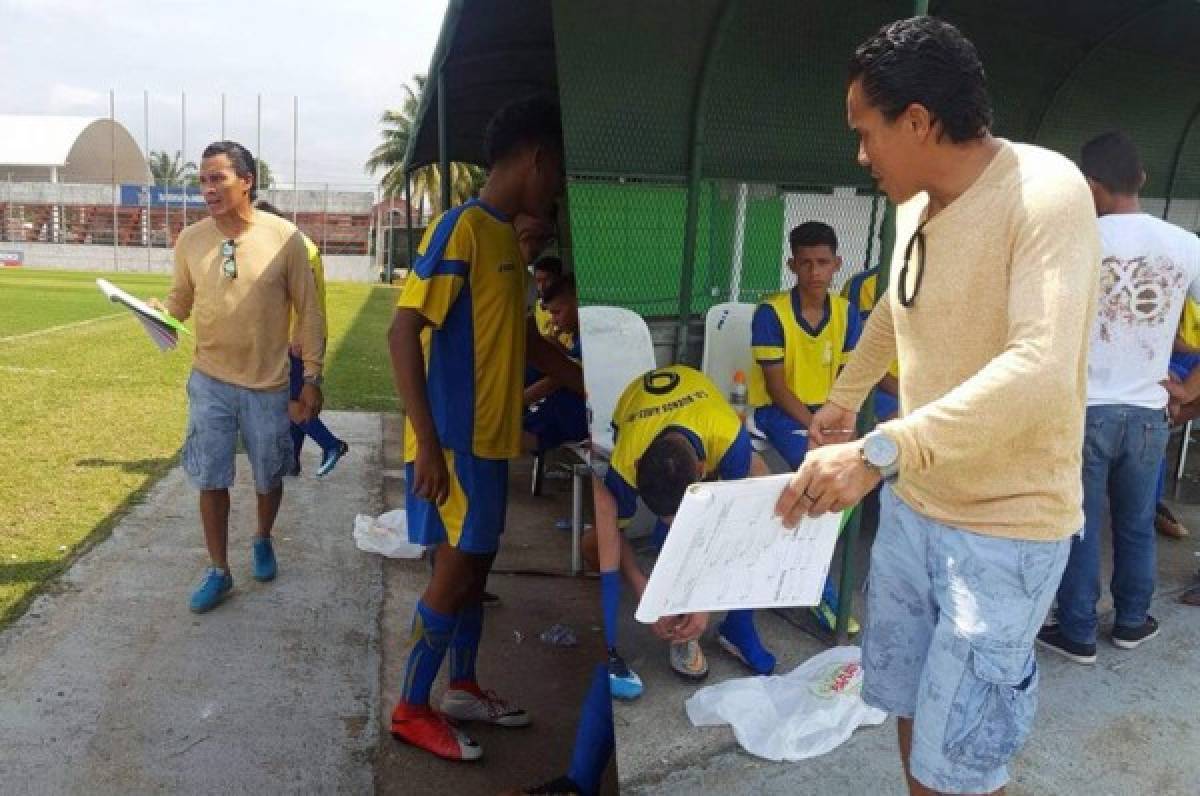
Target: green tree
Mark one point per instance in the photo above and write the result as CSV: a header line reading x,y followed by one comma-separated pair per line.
x,y
399,125
171,170
266,180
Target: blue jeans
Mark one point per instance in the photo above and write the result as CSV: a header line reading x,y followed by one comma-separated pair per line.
x,y
1122,451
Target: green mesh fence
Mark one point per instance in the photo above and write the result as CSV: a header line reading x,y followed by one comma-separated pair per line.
x,y
774,148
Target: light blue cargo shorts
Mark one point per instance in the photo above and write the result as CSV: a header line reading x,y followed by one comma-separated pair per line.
x,y
951,622
217,412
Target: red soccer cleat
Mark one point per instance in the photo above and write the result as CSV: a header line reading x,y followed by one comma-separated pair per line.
x,y
425,728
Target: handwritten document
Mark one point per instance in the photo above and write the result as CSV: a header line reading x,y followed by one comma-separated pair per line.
x,y
726,550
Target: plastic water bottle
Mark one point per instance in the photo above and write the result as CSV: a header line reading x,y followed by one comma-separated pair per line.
x,y
737,396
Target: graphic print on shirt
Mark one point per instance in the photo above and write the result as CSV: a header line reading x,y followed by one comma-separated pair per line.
x,y
1136,292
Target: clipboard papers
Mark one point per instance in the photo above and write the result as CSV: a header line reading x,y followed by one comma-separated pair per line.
x,y
162,328
727,550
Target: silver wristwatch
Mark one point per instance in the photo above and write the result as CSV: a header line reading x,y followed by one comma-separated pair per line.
x,y
315,381
882,453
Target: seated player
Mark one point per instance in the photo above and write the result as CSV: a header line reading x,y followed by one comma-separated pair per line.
x,y
546,270
672,428
556,416
801,340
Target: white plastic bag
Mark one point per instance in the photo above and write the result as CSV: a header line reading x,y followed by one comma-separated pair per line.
x,y
386,535
809,711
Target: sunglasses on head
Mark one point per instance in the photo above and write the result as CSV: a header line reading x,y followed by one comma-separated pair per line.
x,y
229,253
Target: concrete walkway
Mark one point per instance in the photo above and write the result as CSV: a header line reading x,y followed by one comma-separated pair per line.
x,y
1128,725
111,686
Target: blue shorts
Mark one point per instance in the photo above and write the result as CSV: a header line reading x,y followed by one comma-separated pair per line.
x,y
472,518
951,621
558,419
217,412
782,431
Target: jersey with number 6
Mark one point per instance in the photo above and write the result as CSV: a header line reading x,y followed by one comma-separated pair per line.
x,y
678,398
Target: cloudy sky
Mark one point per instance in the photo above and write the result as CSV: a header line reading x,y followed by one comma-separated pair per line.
x,y
346,61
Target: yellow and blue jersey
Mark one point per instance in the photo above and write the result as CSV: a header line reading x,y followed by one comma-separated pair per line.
x,y
1184,362
811,356
1189,324
545,327
318,271
681,399
862,291
468,281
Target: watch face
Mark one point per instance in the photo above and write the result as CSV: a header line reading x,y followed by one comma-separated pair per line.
x,y
880,450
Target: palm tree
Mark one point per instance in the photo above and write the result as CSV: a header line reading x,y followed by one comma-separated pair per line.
x,y
168,170
399,125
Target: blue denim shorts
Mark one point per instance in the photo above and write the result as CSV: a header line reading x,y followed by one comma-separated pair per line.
x,y
951,621
217,412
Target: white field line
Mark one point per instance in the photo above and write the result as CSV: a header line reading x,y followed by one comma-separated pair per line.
x,y
61,328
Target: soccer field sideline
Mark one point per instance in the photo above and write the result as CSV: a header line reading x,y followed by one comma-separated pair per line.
x,y
95,414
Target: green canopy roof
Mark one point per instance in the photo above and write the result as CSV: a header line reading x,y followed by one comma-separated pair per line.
x,y
627,73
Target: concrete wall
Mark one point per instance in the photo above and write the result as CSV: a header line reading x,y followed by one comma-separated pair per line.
x,y
79,257
306,201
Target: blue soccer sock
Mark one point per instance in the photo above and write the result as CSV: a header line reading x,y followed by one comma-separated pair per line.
x,y
464,646
610,600
431,633
738,629
594,736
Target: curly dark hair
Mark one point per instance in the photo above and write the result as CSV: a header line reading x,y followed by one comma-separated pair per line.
x,y
929,62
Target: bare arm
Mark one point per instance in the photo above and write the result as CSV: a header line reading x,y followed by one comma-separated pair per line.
x,y
432,480
782,395
539,390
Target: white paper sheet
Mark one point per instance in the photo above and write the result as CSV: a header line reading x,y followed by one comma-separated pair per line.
x,y
161,328
726,550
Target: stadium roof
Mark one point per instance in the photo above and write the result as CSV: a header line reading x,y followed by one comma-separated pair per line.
x,y
628,75
77,149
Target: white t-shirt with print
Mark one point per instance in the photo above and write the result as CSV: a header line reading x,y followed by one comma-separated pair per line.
x,y
1147,270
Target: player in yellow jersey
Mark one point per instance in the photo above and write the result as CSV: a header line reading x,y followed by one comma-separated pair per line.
x,y
672,428
332,448
459,345
801,339
556,416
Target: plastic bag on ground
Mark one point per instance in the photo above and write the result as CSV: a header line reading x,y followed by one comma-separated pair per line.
x,y
809,711
386,535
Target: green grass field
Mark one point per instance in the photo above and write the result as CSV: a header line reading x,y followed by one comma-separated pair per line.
x,y
93,414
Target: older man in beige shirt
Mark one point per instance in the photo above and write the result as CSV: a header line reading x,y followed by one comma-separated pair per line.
x,y
241,273
988,312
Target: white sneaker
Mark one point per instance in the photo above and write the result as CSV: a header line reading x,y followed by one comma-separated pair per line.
x,y
476,705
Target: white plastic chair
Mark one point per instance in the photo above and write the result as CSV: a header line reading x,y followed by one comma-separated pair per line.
x,y
727,343
617,348
727,337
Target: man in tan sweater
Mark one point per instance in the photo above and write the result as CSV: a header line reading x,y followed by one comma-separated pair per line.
x,y
242,272
988,311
